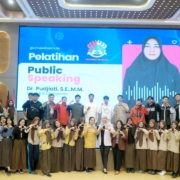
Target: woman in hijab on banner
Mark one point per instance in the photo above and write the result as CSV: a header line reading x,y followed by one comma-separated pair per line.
x,y
150,73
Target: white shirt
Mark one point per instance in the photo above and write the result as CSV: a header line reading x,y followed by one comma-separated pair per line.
x,y
107,135
92,112
106,111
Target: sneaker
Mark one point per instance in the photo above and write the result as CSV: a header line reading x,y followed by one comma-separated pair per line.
x,y
32,172
49,175
8,173
116,172
105,171
21,171
162,173
153,172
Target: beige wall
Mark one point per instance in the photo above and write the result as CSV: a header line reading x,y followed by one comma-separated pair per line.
x,y
8,78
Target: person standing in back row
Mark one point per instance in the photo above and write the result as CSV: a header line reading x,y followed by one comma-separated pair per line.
x,y
106,109
154,110
33,108
76,110
138,113
177,107
168,113
48,108
62,112
120,110
90,109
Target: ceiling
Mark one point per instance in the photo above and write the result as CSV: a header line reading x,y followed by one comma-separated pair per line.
x,y
91,11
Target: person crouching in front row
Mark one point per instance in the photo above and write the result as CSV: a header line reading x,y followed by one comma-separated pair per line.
x,y
45,136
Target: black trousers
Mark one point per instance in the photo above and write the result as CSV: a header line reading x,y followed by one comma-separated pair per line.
x,y
104,155
118,156
33,157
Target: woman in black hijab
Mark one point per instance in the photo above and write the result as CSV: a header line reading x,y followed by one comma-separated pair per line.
x,y
150,69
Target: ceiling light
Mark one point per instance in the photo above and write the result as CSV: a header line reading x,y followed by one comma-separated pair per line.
x,y
127,5
11,2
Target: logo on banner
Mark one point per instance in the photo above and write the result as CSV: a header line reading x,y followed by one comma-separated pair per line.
x,y
97,49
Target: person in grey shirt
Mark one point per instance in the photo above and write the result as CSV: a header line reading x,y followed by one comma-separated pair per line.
x,y
121,110
76,110
48,110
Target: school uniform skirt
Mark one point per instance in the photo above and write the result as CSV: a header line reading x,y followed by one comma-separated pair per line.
x,y
161,160
45,161
6,152
56,159
19,154
172,161
130,156
79,154
89,158
152,159
140,162
69,157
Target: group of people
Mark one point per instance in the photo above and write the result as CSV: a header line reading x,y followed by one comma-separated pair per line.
x,y
61,137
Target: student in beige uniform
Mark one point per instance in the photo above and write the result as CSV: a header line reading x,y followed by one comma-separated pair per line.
x,y
141,136
45,136
162,153
80,146
152,151
70,136
57,148
130,146
173,150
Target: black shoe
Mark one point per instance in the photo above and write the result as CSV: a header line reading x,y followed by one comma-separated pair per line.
x,y
8,173
174,175
132,170
128,170
91,169
87,170
49,175
21,171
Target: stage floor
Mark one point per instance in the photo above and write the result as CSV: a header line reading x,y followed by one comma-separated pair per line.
x,y
97,175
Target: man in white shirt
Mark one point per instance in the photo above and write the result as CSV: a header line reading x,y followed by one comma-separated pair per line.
x,y
105,110
90,109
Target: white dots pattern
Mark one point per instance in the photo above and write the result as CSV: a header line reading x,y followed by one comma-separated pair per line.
x,y
162,9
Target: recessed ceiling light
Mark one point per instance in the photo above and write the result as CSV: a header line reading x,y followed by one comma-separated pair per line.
x,y
11,2
126,5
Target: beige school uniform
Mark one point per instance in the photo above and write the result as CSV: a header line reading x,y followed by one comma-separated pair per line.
x,y
152,150
141,152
